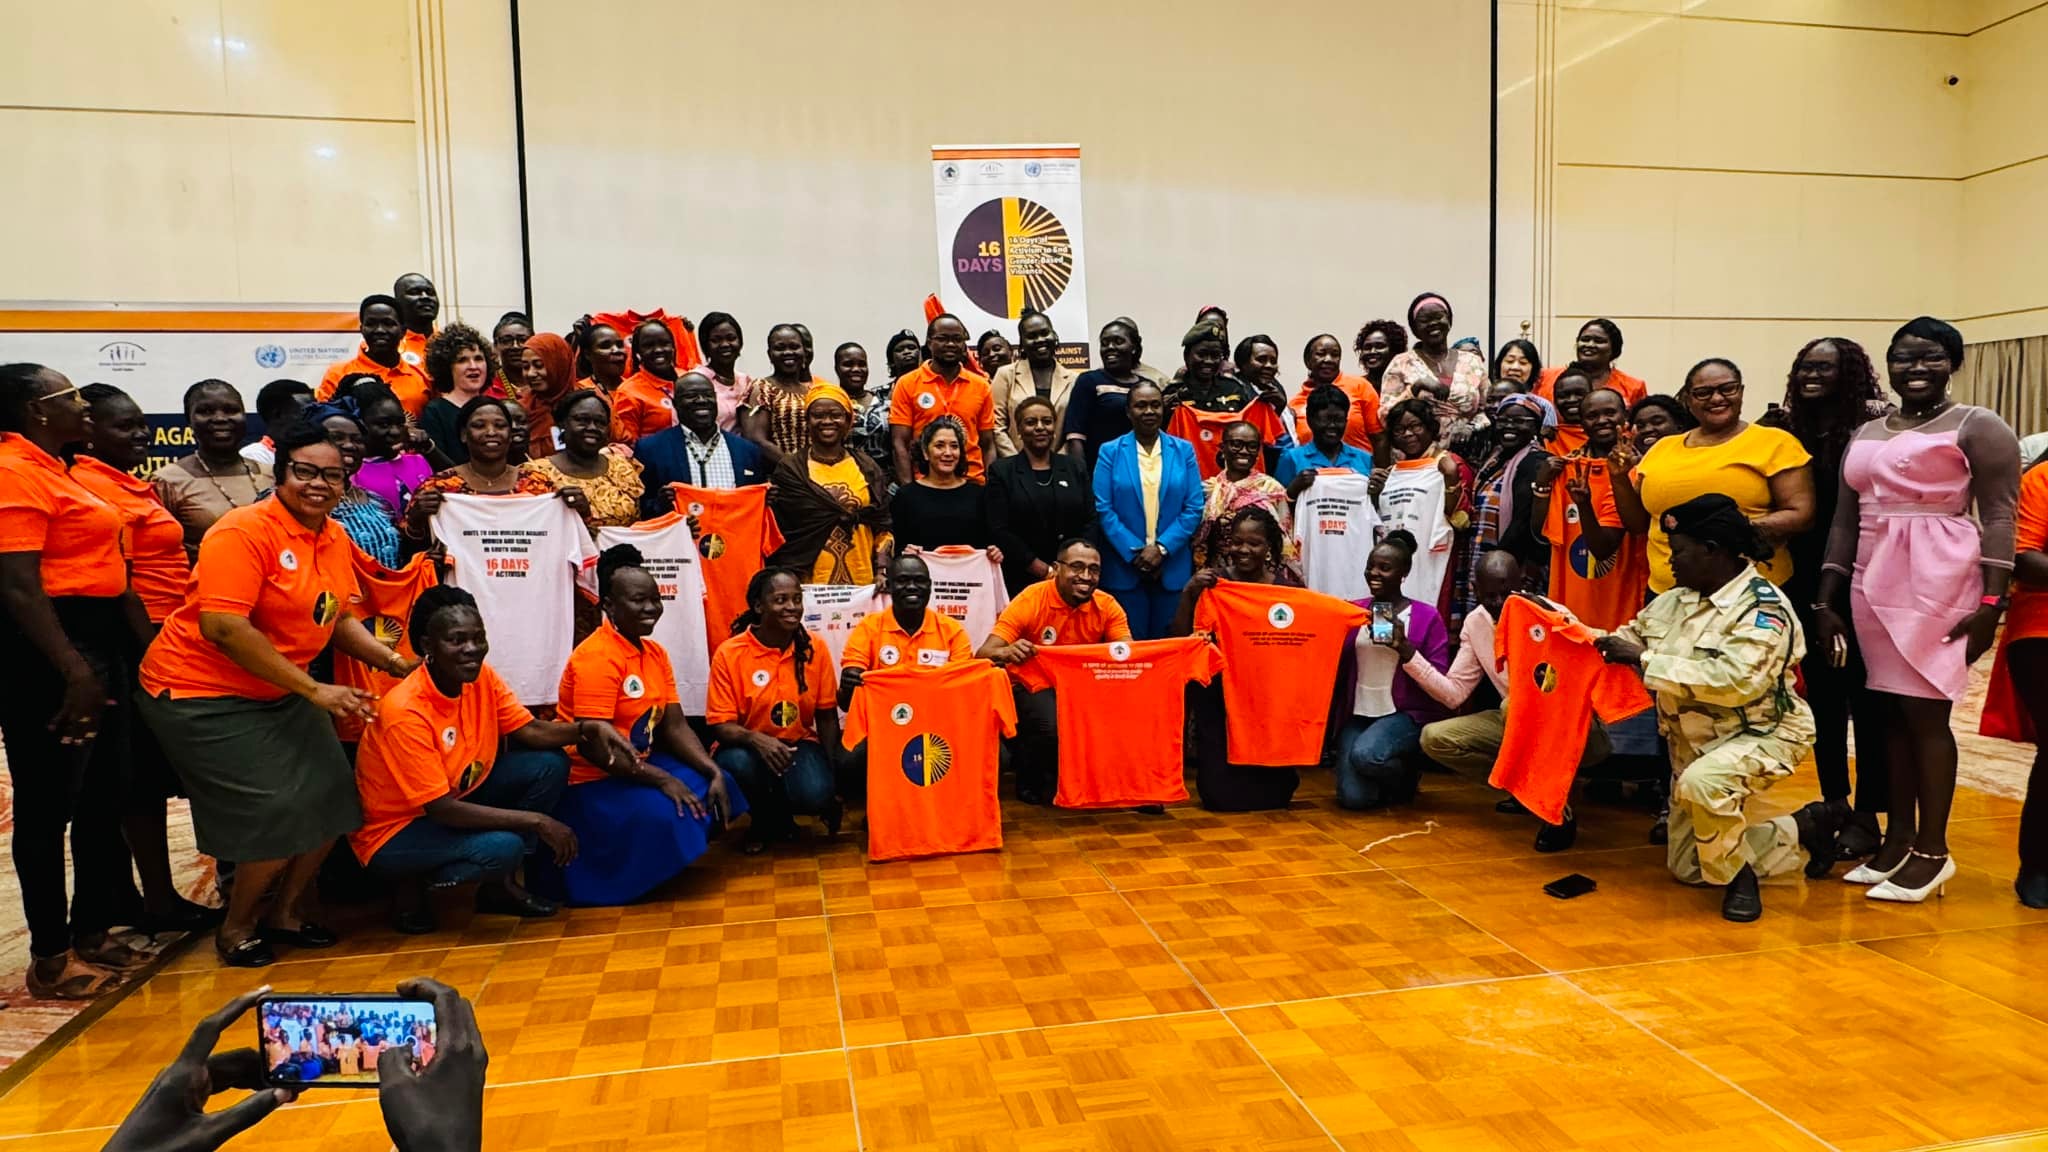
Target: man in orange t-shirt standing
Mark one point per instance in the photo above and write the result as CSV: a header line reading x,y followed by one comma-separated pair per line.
x,y
1066,608
383,355
944,386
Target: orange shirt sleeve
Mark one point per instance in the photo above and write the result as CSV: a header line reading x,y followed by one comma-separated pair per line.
x,y
1374,425
2031,519
413,776
722,698
231,571
1016,618
25,511
860,647
902,409
590,686
957,646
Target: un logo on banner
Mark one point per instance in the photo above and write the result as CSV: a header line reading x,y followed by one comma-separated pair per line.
x,y
271,356
927,759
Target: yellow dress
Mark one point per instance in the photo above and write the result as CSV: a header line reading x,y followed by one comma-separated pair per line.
x,y
848,556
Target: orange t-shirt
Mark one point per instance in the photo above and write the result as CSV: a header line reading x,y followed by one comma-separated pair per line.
x,y
1121,710
1205,431
1040,616
1280,651
152,539
1565,440
1556,682
45,509
1604,593
687,354
628,686
2025,619
1361,424
425,746
408,380
642,405
923,396
260,563
754,686
736,535
1631,388
933,735
385,610
878,642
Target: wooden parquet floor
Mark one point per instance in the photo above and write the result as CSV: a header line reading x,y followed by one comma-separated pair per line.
x,y
1306,979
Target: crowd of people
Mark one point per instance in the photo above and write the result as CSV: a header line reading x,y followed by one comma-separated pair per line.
x,y
262,626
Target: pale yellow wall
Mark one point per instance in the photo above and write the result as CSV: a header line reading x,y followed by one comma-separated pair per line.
x,y
1735,177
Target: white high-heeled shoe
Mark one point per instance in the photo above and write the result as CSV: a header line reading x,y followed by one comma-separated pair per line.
x,y
1865,874
1903,895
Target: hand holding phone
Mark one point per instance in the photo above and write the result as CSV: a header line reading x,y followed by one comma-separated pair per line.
x,y
1382,624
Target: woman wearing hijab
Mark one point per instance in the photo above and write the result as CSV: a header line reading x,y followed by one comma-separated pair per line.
x,y
830,500
555,376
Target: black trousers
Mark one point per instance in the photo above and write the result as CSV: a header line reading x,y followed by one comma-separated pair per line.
x,y
1838,700
58,786
1223,786
1035,751
2028,662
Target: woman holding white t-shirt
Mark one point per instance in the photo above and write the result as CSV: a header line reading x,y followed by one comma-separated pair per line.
x,y
1377,745
1427,491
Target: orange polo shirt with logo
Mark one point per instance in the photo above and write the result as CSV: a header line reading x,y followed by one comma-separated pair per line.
x,y
386,611
1361,424
642,405
1039,615
934,736
408,379
1205,431
152,539
43,508
1604,593
879,642
755,686
923,396
1556,681
424,746
1121,713
626,685
1280,649
260,563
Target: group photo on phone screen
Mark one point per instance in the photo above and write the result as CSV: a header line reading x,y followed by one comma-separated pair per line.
x,y
335,1042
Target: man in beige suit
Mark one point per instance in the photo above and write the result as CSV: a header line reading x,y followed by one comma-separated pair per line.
x,y
1037,373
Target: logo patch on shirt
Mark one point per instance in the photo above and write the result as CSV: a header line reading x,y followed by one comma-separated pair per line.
x,y
1208,433
901,714
1280,615
288,560
712,546
326,606
761,677
1571,513
1545,677
932,657
889,654
410,357
927,401
448,737
1119,650
696,508
784,714
1047,635
633,687
668,403
927,759
1537,633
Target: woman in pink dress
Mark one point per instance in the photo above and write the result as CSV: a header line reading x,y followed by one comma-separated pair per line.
x,y
1927,585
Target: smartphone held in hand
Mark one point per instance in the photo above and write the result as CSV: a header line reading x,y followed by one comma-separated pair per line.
x,y
1382,623
335,1041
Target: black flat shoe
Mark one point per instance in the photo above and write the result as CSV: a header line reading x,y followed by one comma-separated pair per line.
x,y
1150,809
1820,832
2032,888
188,917
498,902
415,922
252,952
834,816
1510,807
306,935
1741,901
1558,837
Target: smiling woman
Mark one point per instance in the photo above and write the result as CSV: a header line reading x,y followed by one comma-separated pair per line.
x,y
201,488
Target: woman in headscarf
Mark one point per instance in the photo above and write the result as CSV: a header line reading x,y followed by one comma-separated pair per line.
x,y
830,500
550,375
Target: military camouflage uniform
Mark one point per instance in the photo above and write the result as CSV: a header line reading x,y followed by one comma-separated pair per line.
x,y
1721,667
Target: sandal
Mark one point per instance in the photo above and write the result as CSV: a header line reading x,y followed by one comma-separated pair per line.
x,y
112,955
78,980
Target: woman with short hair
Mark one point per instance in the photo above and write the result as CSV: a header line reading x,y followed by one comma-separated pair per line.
x,y
460,367
215,479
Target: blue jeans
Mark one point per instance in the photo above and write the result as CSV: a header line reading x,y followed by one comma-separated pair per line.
x,y
805,790
524,779
1372,760
1150,608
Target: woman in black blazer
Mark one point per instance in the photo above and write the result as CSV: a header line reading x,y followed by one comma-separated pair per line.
x,y
1036,498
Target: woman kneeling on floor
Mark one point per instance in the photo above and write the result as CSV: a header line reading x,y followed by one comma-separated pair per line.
x,y
442,805
1718,650
640,820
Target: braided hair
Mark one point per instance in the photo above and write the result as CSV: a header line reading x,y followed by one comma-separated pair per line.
x,y
757,594
1829,423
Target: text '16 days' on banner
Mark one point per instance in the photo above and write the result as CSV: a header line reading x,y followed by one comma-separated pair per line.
x,y
1009,231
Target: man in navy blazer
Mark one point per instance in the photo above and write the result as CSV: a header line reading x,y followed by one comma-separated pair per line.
x,y
695,451
1146,565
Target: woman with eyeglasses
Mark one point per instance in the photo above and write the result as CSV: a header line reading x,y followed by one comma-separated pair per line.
x,y
249,730
1765,470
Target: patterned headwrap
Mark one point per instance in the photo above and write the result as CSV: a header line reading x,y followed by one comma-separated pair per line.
x,y
1544,410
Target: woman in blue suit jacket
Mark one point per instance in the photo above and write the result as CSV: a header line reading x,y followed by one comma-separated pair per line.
x,y
1145,569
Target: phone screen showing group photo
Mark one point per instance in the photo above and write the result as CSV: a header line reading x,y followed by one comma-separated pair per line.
x,y
336,1041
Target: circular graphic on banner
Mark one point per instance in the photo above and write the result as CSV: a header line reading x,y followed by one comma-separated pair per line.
x,y
1011,254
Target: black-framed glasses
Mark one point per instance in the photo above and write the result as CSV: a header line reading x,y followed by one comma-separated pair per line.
x,y
1728,391
306,473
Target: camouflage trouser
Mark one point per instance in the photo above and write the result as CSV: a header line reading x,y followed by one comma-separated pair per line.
x,y
1710,840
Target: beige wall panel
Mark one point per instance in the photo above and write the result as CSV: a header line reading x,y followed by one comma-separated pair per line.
x,y
342,58
134,54
324,212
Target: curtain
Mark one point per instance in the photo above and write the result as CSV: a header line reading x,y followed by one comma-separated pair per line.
x,y
2010,377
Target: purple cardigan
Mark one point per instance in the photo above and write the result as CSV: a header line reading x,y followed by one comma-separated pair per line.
x,y
1427,632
